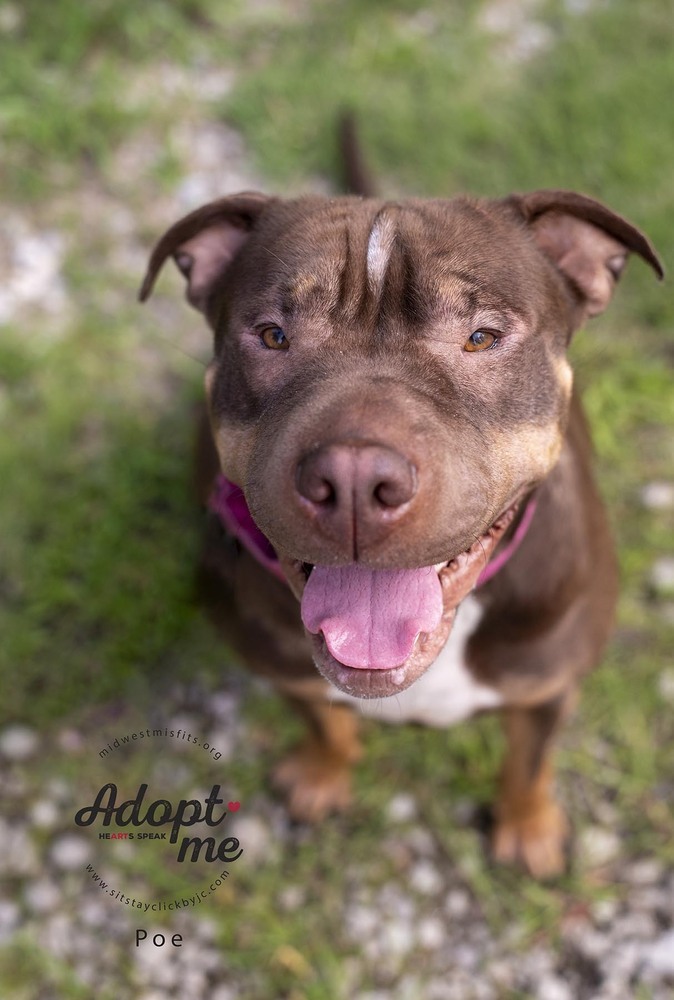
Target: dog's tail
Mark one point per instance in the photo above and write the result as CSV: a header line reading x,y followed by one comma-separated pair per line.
x,y
355,174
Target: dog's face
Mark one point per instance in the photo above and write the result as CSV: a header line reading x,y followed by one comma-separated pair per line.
x,y
389,382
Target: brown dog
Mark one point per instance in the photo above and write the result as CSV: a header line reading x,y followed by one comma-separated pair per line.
x,y
390,392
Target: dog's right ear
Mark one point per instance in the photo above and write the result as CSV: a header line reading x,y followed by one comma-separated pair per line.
x,y
204,244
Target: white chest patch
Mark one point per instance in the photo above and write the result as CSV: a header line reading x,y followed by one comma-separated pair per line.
x,y
446,693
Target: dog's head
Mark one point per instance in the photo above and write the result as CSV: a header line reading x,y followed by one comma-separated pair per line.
x,y
389,381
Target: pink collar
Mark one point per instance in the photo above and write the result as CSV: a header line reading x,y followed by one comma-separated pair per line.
x,y
502,557
228,502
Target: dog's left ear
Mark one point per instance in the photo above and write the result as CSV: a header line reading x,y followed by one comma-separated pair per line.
x,y
586,241
204,243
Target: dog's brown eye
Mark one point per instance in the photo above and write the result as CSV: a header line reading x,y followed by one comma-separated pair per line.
x,y
481,340
274,338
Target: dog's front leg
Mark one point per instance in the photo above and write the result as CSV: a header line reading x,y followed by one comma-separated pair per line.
x,y
530,827
316,776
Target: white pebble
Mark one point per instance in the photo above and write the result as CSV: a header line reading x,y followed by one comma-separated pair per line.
x,y
633,926
291,897
70,852
396,937
361,922
42,896
465,956
223,705
58,789
70,740
409,988
18,742
658,496
659,956
605,910
58,935
431,933
254,837
502,973
221,743
662,574
553,988
9,919
44,814
206,929
93,913
457,903
646,871
593,944
421,841
402,808
425,878
598,846
223,993
11,18
666,685
209,960
538,963
19,854
193,983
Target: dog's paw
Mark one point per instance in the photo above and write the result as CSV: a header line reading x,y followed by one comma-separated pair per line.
x,y
315,782
536,840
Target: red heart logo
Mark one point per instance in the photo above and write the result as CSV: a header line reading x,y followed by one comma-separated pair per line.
x,y
233,806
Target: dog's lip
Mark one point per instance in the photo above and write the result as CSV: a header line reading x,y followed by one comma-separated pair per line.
x,y
297,571
457,577
365,683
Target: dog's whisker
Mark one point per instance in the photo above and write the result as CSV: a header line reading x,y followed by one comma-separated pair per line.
x,y
272,254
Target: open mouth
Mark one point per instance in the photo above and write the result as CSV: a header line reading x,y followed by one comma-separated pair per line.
x,y
375,631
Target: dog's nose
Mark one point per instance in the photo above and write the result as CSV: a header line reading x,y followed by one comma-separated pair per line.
x,y
355,491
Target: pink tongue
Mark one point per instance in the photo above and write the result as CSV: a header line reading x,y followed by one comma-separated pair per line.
x,y
371,618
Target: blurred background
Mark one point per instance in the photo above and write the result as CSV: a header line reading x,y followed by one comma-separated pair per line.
x,y
115,119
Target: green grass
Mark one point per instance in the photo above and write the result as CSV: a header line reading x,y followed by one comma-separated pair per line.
x,y
98,528
64,103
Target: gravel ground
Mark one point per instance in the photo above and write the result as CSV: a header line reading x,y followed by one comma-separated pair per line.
x,y
423,933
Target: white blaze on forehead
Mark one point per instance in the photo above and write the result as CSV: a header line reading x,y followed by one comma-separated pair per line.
x,y
379,247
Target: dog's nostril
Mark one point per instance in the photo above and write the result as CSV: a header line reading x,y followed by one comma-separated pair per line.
x,y
372,478
395,492
313,485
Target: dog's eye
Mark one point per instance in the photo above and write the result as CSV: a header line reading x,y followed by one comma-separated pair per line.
x,y
481,340
274,338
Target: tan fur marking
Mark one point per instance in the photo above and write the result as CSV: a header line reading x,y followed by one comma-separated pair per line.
x,y
528,450
304,287
564,374
233,443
